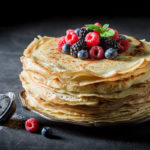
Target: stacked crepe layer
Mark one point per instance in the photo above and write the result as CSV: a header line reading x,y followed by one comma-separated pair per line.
x,y
87,91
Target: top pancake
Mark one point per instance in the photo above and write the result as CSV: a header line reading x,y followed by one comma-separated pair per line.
x,y
131,67
45,51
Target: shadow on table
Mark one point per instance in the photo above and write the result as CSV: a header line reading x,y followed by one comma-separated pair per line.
x,y
125,133
20,124
15,124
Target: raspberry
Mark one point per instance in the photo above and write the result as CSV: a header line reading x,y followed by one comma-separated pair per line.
x,y
31,125
69,31
71,37
116,35
61,42
83,27
92,39
123,45
98,24
96,52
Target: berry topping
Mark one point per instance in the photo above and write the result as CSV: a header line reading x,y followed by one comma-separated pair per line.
x,y
61,42
122,37
66,49
71,37
116,35
111,53
83,54
108,43
98,24
77,31
96,52
92,39
81,44
123,45
83,32
47,132
31,125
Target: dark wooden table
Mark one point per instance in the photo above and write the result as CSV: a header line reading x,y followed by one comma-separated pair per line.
x,y
13,40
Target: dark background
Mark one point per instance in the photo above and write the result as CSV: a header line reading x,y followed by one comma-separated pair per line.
x,y
12,12
19,24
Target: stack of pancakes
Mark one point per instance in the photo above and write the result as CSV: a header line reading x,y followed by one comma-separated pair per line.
x,y
62,87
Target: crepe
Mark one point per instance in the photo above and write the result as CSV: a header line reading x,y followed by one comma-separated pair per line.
x,y
103,113
90,91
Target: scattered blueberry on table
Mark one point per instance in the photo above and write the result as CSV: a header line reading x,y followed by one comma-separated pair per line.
x,y
47,131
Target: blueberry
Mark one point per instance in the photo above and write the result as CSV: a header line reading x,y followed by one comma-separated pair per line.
x,y
77,31
111,53
122,37
47,132
83,54
66,48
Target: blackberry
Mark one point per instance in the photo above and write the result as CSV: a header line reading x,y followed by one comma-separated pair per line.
x,y
76,47
106,43
83,32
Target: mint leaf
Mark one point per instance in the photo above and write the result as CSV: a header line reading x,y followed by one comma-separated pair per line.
x,y
107,33
105,26
94,27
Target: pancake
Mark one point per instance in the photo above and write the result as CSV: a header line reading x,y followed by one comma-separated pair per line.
x,y
102,113
27,80
87,91
49,56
